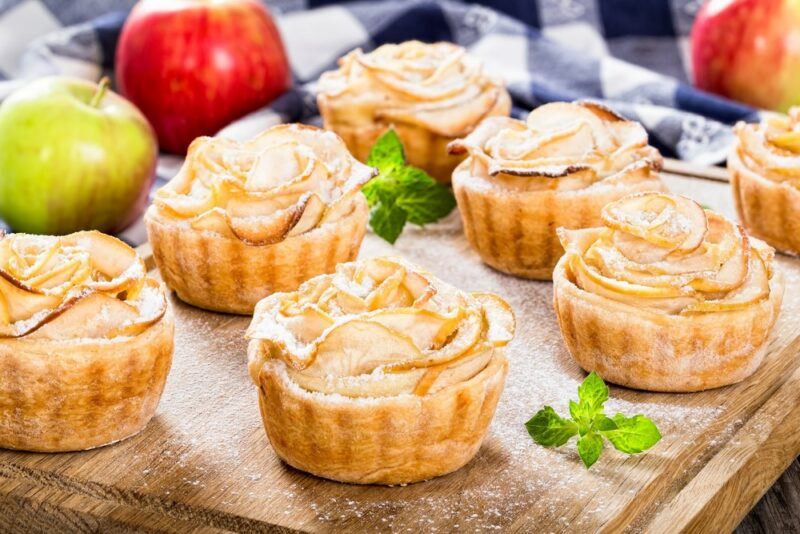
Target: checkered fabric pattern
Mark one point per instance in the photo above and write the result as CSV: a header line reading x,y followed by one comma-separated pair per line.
x,y
631,54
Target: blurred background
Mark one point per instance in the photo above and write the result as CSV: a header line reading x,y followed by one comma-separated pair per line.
x,y
188,66
73,155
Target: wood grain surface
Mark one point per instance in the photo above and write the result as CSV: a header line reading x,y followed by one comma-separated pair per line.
x,y
204,462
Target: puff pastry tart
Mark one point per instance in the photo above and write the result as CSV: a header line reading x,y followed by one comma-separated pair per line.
x,y
522,180
429,93
379,373
85,342
666,296
243,220
765,176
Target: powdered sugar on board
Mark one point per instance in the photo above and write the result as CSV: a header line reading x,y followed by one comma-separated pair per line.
x,y
206,457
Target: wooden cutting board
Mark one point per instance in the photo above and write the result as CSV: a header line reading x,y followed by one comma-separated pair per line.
x,y
204,462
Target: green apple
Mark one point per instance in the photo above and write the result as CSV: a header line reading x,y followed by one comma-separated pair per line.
x,y
73,156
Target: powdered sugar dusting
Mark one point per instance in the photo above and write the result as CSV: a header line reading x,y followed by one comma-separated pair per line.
x,y
206,448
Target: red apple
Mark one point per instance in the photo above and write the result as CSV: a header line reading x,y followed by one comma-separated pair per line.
x,y
749,50
193,66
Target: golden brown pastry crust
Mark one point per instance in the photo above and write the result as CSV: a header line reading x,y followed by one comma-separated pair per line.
x,y
426,120
643,302
243,220
379,373
58,396
357,440
86,342
510,215
217,273
769,210
676,353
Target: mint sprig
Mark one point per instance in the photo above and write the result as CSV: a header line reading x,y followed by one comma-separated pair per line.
x,y
401,193
589,422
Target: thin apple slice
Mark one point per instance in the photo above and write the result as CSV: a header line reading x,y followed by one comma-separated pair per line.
x,y
358,347
427,329
92,316
24,302
667,221
465,337
339,208
588,275
183,205
787,141
214,220
273,228
612,264
557,115
388,292
278,164
438,378
362,386
499,318
480,136
311,217
664,305
110,257
731,274
754,289
309,323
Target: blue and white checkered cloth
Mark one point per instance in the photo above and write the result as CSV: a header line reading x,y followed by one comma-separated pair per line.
x,y
632,54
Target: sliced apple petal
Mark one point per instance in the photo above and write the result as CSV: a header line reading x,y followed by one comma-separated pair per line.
x,y
667,221
269,229
425,328
22,301
309,323
499,318
464,339
366,385
754,289
90,316
358,347
313,210
214,220
438,378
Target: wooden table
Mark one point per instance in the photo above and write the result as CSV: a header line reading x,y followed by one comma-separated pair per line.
x,y
204,462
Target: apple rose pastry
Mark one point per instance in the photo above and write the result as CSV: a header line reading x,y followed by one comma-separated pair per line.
x,y
379,373
522,180
429,93
85,342
666,296
243,220
765,175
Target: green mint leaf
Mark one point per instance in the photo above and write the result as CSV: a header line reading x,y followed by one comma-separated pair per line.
x,y
387,221
589,448
424,199
593,392
603,423
550,429
632,434
387,153
582,415
401,193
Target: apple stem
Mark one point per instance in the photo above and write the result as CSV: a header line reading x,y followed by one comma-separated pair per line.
x,y
101,92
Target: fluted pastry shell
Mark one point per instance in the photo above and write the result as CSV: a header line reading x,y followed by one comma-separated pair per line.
x,y
58,396
765,180
86,342
430,94
387,377
243,220
387,441
511,207
670,344
221,274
